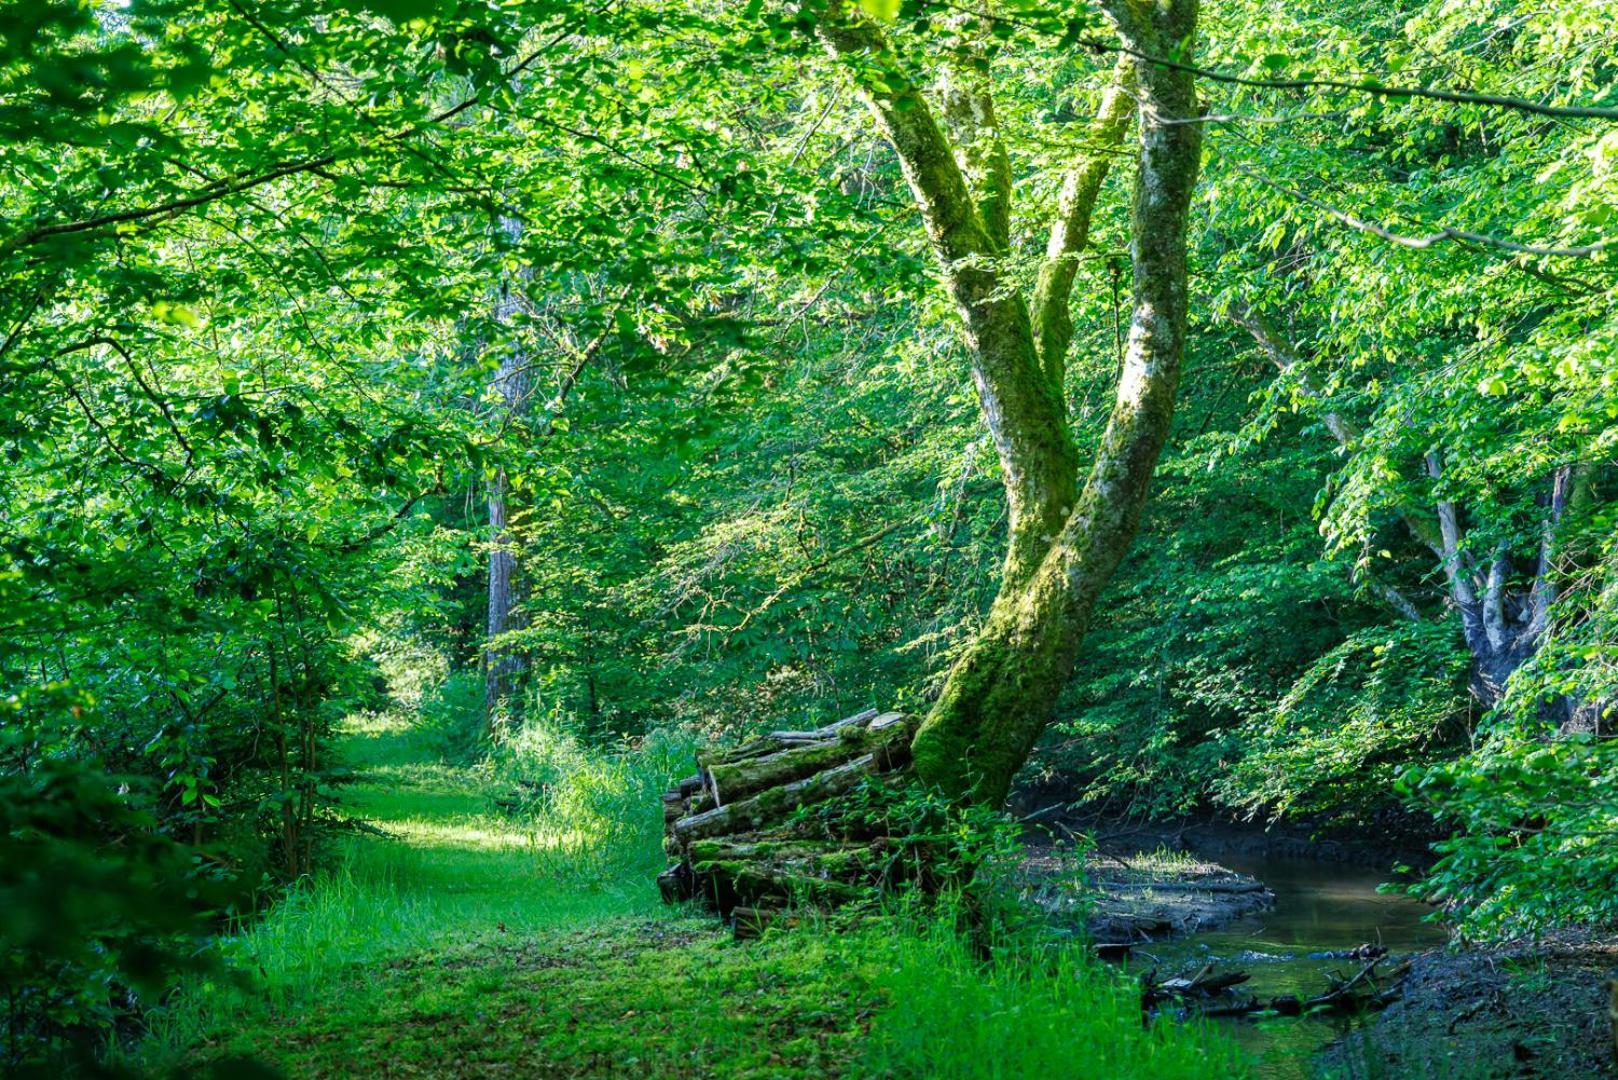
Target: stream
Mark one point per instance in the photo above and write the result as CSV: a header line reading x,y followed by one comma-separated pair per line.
x,y
1319,907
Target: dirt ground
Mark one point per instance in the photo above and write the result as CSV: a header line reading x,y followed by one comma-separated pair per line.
x,y
1520,1010
1139,897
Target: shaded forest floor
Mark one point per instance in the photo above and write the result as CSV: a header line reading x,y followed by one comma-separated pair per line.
x,y
1530,1009
460,939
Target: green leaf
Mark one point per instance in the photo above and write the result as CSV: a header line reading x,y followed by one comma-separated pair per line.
x,y
881,10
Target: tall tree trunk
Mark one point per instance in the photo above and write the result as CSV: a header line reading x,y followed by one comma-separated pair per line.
x,y
503,665
1064,543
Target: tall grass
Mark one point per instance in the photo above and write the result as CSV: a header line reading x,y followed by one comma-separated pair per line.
x,y
541,833
1033,1008
547,833
603,805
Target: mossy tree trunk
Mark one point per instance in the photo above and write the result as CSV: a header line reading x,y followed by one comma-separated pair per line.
x,y
1064,540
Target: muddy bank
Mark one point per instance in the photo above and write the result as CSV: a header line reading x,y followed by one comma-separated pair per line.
x,y
1514,1011
1286,922
1138,898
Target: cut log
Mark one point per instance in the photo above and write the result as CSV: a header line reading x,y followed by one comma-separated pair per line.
x,y
859,719
677,883
1361,993
733,780
776,741
769,807
738,843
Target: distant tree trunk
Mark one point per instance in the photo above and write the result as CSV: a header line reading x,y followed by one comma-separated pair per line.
x,y
1502,626
1064,542
502,665
514,381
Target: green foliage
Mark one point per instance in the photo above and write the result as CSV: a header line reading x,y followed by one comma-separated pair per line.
x,y
257,277
1534,827
601,803
100,910
1353,722
1022,1012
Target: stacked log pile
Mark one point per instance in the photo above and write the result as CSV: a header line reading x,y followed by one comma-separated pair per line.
x,y
748,833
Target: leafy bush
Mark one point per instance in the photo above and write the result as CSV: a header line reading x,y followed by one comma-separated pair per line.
x,y
602,803
100,910
1352,722
1536,834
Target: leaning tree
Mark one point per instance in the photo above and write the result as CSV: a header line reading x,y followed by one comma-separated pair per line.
x,y
1067,535
732,828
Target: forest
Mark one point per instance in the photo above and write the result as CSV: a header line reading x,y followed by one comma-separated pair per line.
x,y
798,538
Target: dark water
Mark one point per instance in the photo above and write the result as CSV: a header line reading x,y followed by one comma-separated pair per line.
x,y
1319,907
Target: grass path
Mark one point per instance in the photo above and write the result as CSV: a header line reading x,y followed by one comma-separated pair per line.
x,y
466,941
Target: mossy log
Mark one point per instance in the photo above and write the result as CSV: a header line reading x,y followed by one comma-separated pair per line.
x,y
730,781
734,836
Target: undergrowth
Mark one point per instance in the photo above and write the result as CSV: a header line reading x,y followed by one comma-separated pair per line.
x,y
502,918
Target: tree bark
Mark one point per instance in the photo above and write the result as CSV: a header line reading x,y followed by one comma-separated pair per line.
x,y
1023,411
1064,544
502,665
1000,695
1070,232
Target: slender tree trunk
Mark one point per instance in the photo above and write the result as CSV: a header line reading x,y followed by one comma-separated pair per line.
x,y
502,665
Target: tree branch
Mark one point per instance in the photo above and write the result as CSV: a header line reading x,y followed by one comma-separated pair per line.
x,y
1021,408
1457,97
1070,231
1543,591
1456,570
207,195
1284,355
1421,243
378,532
967,96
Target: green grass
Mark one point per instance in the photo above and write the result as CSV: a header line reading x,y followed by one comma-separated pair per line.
x,y
472,941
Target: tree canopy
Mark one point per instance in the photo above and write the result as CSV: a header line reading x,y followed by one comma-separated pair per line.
x,y
1184,410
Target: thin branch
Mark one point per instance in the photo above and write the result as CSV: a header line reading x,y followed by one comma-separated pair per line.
x,y
814,568
1456,97
516,69
1070,229
377,533
1420,243
571,379
151,395
44,232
